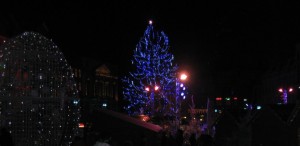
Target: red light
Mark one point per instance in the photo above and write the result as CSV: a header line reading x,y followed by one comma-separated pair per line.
x,y
280,90
219,98
144,118
235,98
291,90
81,125
147,89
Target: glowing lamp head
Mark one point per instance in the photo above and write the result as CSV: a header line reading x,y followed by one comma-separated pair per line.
x,y
150,22
290,89
147,89
280,90
183,77
156,88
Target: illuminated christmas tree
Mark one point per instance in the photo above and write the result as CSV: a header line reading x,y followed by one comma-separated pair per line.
x,y
38,99
150,88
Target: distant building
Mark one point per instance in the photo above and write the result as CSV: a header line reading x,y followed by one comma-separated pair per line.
x,y
230,130
97,83
216,106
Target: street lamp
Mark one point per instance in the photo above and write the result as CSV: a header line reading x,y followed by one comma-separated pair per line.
x,y
284,95
180,88
151,89
183,77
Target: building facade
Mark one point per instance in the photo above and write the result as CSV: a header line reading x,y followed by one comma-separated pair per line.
x,y
97,84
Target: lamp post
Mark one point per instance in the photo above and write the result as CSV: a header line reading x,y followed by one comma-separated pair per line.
x,y
179,84
151,89
284,96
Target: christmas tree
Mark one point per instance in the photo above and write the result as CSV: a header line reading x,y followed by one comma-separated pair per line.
x,y
38,97
150,88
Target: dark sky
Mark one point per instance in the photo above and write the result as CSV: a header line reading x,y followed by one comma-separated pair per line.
x,y
222,45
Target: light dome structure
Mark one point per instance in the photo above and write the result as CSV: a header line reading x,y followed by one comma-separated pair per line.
x,y
39,103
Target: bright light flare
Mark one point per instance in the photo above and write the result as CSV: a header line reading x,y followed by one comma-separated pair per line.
x,y
290,89
156,88
147,89
183,77
280,90
150,22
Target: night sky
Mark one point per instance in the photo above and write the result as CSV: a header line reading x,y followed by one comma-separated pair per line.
x,y
226,47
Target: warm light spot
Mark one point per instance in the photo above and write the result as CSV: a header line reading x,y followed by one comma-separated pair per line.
x,y
81,125
144,118
183,77
219,98
280,90
150,22
147,89
156,88
291,90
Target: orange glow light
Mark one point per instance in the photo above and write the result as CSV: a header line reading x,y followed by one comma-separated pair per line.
x,y
81,125
183,77
156,88
147,89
